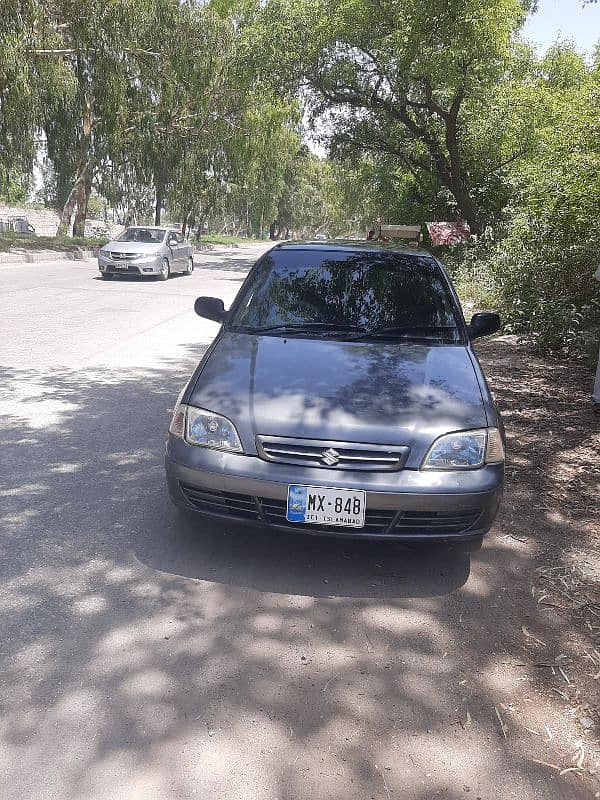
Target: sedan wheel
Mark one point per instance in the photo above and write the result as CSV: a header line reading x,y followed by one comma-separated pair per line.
x,y
165,270
107,276
189,266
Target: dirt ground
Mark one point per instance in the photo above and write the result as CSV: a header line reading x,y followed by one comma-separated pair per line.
x,y
551,513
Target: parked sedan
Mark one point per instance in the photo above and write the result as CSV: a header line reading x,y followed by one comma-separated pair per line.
x,y
145,252
342,396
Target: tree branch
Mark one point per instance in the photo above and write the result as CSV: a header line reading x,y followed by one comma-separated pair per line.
x,y
71,51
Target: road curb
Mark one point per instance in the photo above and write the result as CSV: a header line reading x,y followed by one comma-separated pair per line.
x,y
31,257
14,257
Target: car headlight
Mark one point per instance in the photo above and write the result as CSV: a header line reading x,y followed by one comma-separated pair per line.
x,y
104,252
465,450
145,256
204,429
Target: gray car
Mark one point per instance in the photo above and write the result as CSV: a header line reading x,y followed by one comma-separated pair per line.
x,y
145,251
342,396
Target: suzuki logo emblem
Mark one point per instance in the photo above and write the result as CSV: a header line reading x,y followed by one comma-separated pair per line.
x,y
330,457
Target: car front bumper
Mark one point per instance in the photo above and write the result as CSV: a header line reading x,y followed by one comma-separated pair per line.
x,y
140,267
408,505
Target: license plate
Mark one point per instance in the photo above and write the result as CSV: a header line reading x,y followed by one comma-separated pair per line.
x,y
319,506
121,266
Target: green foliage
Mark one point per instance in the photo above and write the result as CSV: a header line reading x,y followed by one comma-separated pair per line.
x,y
540,270
14,241
15,186
261,157
28,88
312,201
545,293
549,257
214,238
398,78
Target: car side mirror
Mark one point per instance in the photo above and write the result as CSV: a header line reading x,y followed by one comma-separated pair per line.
x,y
483,324
210,308
172,241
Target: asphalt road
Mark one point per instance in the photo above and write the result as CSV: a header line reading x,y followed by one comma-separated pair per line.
x,y
147,657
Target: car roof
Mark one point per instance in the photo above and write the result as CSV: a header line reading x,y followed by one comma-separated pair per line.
x,y
353,246
150,227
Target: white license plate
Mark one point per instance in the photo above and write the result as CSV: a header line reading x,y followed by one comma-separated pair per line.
x,y
120,265
319,506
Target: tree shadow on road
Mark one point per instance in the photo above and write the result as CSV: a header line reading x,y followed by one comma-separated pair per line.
x,y
146,655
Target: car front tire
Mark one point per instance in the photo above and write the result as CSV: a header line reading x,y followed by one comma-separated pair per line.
x,y
165,270
106,276
189,266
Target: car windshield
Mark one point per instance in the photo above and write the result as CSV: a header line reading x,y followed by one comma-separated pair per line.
x,y
357,295
144,235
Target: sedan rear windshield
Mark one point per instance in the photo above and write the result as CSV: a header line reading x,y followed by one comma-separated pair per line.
x,y
144,235
355,294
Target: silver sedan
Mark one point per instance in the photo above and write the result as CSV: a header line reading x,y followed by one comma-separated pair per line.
x,y
146,251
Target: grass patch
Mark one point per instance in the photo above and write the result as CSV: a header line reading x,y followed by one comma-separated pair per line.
x,y
217,239
15,241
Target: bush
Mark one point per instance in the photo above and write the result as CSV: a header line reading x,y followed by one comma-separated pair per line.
x,y
470,268
547,289
541,280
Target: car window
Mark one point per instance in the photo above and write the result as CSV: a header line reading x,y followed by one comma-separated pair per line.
x,y
179,238
369,290
145,235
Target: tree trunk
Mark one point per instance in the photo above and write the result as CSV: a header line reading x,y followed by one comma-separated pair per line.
x,y
159,203
449,168
83,198
466,206
84,180
67,212
446,161
458,180
450,171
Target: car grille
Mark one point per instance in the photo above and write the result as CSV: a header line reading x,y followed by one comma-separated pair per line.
x,y
123,256
123,271
331,455
427,522
377,521
240,506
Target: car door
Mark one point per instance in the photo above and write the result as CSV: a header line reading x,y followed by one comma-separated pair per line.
x,y
187,249
182,252
173,248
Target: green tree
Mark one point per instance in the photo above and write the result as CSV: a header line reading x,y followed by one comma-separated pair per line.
x,y
210,107
540,269
261,156
30,89
397,78
313,200
550,254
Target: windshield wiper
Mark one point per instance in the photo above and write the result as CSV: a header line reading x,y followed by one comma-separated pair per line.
x,y
307,327
410,331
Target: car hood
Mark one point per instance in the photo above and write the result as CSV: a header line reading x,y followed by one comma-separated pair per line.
x,y
132,247
396,393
